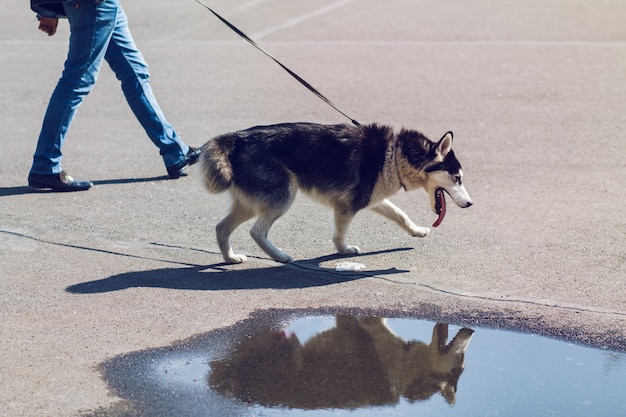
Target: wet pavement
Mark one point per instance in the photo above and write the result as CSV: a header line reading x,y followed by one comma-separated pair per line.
x,y
534,92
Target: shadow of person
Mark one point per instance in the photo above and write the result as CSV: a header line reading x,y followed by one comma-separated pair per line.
x,y
23,189
131,180
358,363
19,190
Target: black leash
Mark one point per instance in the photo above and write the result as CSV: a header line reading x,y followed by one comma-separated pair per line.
x,y
293,74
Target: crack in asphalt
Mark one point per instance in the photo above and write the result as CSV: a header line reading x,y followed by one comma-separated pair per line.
x,y
313,266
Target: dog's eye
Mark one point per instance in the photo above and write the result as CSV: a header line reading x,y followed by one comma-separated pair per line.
x,y
457,179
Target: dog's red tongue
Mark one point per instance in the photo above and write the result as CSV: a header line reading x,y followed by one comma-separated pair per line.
x,y
440,206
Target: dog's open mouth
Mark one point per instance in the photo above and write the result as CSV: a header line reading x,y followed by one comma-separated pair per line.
x,y
440,206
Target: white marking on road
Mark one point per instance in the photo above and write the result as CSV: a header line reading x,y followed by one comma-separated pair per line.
x,y
246,6
297,20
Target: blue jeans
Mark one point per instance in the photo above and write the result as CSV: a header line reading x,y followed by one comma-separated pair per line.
x,y
99,30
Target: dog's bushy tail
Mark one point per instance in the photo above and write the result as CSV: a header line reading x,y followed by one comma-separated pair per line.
x,y
215,166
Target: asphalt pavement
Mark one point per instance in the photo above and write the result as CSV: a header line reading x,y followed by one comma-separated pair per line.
x,y
534,91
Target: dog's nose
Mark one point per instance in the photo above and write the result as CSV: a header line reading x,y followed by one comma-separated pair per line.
x,y
468,204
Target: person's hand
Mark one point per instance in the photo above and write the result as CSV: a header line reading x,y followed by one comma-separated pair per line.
x,y
48,25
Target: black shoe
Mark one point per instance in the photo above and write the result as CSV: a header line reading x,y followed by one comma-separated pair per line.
x,y
178,170
57,182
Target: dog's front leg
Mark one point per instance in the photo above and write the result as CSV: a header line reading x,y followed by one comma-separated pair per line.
x,y
342,222
389,210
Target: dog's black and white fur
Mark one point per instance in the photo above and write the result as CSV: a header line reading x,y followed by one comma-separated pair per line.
x,y
346,167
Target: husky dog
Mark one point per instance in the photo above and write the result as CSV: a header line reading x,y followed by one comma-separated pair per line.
x,y
347,167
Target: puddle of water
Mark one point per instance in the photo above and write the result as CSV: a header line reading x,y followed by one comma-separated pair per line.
x,y
307,364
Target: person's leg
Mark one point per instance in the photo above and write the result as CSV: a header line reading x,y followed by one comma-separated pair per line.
x,y
91,25
131,69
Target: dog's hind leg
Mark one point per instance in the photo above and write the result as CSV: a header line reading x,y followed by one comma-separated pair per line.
x,y
260,231
342,222
237,215
389,210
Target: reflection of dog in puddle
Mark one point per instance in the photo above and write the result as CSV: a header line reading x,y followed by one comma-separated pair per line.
x,y
358,363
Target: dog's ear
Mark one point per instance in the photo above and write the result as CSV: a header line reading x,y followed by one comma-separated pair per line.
x,y
445,144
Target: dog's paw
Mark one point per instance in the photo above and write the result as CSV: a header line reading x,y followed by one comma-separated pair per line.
x,y
282,258
349,250
235,258
420,231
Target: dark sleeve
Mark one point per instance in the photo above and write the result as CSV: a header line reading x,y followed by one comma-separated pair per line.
x,y
48,8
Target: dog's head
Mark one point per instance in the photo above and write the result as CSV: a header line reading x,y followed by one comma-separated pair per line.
x,y
436,169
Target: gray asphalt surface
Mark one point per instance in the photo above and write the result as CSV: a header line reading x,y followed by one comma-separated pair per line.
x,y
534,91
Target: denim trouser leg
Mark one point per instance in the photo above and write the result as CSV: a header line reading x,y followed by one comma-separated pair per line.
x,y
93,24
131,69
87,46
